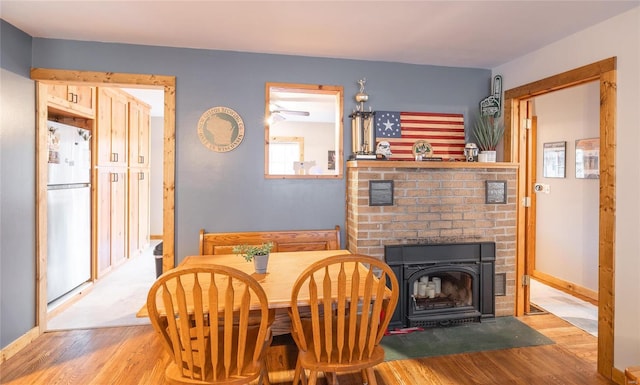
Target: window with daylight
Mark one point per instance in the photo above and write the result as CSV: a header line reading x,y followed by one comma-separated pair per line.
x,y
283,152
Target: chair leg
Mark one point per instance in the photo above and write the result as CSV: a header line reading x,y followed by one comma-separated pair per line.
x,y
297,373
332,378
369,376
365,378
313,377
264,375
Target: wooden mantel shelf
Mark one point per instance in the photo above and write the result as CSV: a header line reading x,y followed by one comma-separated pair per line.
x,y
427,164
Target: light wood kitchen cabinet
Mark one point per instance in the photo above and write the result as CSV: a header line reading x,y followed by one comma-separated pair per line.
x,y
121,167
139,126
112,218
138,210
76,100
122,160
112,127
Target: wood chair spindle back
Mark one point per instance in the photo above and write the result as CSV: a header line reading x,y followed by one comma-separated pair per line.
x,y
215,323
348,313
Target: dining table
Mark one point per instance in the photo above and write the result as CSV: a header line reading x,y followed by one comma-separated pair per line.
x,y
282,272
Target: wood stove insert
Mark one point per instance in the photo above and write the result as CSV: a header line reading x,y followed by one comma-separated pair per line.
x,y
443,284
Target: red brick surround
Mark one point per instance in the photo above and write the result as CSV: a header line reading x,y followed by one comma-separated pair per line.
x,y
435,203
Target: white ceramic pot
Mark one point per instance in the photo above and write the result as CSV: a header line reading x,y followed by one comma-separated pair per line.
x,y
260,263
487,156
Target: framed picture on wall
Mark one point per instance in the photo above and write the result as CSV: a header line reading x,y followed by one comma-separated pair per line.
x,y
588,158
331,160
496,192
553,163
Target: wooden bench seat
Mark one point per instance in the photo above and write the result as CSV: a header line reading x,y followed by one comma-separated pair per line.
x,y
294,240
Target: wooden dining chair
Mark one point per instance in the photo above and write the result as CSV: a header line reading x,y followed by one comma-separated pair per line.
x,y
352,300
215,323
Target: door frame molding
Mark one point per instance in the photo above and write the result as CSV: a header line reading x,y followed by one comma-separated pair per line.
x,y
42,76
515,146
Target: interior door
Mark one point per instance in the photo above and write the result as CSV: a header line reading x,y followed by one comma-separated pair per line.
x,y
530,129
604,72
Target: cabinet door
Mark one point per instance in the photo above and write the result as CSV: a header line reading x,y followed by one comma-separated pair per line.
x,y
111,223
138,134
134,135
143,208
145,136
119,127
112,127
77,100
103,238
84,96
118,217
138,210
58,92
134,214
103,128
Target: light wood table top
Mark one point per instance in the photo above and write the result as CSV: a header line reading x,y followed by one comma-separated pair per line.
x,y
282,271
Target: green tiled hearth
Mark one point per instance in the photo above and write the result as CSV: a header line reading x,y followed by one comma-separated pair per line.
x,y
503,333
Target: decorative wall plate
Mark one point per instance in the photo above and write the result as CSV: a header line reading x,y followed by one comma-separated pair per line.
x,y
422,148
221,129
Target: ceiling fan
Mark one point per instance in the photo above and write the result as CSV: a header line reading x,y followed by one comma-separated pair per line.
x,y
275,109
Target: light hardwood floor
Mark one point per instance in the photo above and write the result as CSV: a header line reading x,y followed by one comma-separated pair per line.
x,y
133,355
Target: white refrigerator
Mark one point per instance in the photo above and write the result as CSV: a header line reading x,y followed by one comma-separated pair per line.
x,y
68,209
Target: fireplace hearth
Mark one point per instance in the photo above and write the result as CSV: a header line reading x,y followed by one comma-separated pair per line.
x,y
443,284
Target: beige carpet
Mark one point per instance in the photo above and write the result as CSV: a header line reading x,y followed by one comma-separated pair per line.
x,y
114,300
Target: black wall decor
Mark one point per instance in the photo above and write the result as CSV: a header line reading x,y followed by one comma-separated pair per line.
x,y
381,193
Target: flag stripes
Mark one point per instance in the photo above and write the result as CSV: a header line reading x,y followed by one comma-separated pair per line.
x,y
445,133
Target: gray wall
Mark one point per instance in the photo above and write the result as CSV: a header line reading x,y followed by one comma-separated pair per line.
x,y
227,191
17,186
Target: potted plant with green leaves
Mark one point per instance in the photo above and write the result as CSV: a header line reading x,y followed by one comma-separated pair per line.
x,y
488,131
258,253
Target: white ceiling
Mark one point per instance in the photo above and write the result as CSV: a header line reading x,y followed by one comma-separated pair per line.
x,y
480,34
477,33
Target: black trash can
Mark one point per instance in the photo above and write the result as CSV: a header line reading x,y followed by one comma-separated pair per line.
x,y
157,253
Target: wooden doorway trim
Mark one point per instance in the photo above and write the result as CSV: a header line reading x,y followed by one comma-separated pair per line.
x,y
603,71
168,84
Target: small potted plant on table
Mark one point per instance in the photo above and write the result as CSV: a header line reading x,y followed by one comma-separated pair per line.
x,y
258,253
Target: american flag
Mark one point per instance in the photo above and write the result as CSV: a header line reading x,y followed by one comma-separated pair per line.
x,y
445,133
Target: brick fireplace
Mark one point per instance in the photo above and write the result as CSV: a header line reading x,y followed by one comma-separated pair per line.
x,y
436,203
